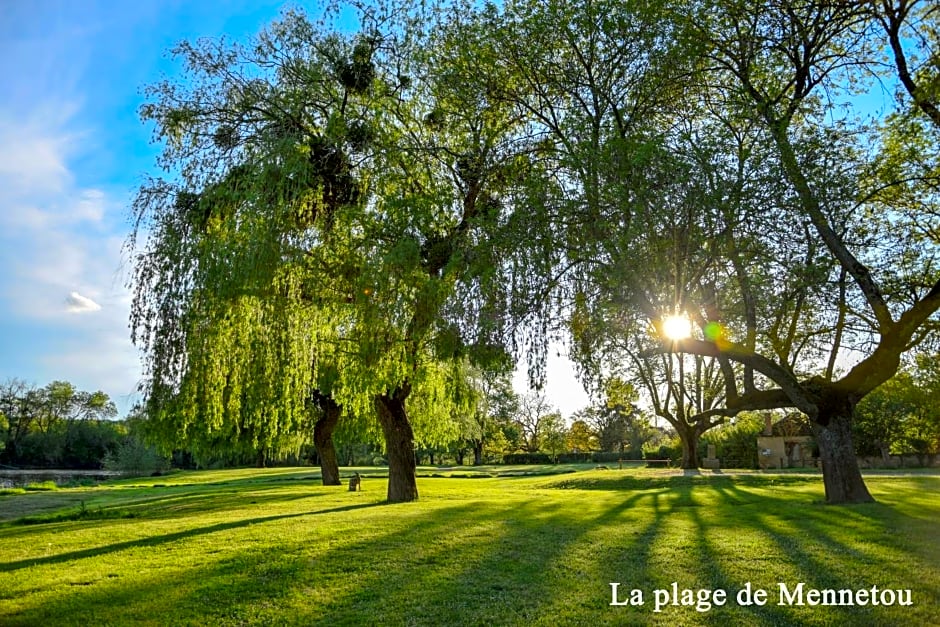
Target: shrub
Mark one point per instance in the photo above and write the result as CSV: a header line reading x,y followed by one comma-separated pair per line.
x,y
615,456
667,451
82,513
135,458
736,444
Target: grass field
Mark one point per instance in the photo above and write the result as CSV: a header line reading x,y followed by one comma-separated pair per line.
x,y
272,547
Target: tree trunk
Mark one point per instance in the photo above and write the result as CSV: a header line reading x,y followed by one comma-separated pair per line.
x,y
478,453
323,439
399,443
689,439
841,474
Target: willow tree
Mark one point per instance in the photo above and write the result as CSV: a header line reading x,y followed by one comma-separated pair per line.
x,y
259,145
330,205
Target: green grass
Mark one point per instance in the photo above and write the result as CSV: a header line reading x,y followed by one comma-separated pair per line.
x,y
487,546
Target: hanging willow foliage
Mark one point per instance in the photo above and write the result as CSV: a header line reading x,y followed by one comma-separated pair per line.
x,y
316,233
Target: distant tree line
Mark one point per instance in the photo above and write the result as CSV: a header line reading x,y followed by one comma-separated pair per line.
x,y
59,426
56,426
902,416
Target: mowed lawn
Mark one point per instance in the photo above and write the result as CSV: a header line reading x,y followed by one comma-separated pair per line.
x,y
272,547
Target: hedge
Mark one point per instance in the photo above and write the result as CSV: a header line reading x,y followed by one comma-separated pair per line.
x,y
571,458
526,458
575,458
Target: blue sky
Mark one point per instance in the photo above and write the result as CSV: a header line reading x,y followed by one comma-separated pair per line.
x,y
72,153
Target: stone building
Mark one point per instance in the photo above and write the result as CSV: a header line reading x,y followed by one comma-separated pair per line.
x,y
788,443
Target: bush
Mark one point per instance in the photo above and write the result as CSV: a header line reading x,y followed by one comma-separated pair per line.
x,y
135,458
42,486
87,443
667,451
736,444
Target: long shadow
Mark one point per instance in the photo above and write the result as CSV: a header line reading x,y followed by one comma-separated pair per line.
x,y
245,576
163,501
710,558
508,579
170,537
439,563
45,503
801,536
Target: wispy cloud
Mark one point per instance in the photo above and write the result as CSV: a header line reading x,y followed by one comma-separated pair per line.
x,y
60,247
76,303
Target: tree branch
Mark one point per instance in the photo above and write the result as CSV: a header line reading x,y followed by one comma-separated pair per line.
x,y
892,22
735,352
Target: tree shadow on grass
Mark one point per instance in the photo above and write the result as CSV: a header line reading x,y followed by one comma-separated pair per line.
x,y
169,502
677,481
824,547
510,562
108,494
169,537
503,566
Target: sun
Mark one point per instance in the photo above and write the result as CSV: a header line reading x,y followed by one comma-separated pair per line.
x,y
677,327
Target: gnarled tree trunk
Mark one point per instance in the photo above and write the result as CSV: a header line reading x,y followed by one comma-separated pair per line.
x,y
399,444
689,439
841,474
323,439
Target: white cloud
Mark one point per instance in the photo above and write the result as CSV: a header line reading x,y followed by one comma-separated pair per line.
x,y
55,236
32,162
76,303
101,357
90,206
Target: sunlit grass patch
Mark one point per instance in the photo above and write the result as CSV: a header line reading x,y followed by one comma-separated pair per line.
x,y
259,547
41,486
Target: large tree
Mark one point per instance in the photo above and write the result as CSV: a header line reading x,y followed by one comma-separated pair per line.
x,y
711,160
868,270
331,233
